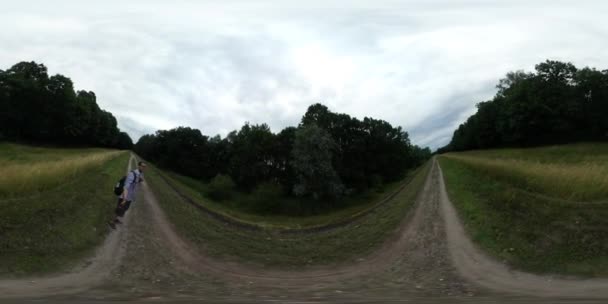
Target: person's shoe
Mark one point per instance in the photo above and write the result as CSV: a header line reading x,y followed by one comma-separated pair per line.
x,y
117,221
112,225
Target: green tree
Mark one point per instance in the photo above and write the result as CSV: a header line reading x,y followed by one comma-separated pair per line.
x,y
558,103
41,109
251,159
312,163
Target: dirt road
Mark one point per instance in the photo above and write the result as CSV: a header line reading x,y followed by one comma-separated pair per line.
x,y
428,258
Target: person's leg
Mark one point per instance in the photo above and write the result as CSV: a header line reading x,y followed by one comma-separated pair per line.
x,y
127,205
123,209
118,212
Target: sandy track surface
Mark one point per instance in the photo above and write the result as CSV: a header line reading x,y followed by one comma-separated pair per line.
x,y
427,256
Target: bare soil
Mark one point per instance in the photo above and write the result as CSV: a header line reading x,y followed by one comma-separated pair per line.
x,y
428,258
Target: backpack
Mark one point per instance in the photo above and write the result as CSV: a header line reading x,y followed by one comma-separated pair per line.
x,y
118,188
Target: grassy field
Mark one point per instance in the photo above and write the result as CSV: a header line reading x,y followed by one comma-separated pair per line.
x,y
543,209
28,169
269,248
54,204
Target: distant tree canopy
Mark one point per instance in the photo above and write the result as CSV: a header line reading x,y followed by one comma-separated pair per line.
x,y
557,104
326,156
41,109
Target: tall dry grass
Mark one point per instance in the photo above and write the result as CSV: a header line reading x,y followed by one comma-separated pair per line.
x,y
584,181
19,178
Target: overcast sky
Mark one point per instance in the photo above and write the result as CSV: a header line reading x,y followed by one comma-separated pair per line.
x,y
214,65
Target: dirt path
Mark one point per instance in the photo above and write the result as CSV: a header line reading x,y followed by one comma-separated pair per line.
x,y
412,263
479,268
414,243
91,272
428,256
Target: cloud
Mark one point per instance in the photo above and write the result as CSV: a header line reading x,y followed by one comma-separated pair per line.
x,y
422,65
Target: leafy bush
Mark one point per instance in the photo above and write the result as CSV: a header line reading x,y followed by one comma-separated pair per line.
x,y
221,187
266,197
376,182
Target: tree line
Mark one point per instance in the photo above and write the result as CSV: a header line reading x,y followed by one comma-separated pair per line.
x,y
558,103
327,156
36,108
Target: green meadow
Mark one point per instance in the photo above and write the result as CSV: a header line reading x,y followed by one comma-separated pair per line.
x,y
540,209
54,204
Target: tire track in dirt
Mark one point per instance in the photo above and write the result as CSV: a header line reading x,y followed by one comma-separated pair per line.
x,y
89,273
478,267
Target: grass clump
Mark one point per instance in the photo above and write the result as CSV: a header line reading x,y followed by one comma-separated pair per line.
x,y
527,209
221,187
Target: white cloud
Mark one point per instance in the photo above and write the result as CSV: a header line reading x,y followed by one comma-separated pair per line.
x,y
215,64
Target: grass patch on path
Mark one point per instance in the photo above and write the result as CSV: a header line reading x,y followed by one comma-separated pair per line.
x,y
266,247
44,229
543,210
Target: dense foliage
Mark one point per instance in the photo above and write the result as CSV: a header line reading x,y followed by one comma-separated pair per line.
x,y
557,104
327,156
41,109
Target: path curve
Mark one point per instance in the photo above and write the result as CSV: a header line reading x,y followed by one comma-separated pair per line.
x,y
402,238
479,268
413,260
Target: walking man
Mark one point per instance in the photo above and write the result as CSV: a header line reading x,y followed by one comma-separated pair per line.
x,y
129,193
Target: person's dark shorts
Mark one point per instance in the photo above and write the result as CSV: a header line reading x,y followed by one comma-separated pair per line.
x,y
122,208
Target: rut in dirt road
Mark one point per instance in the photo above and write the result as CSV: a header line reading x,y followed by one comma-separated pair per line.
x,y
90,273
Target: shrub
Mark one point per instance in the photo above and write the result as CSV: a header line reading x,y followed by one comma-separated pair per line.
x,y
266,197
376,182
221,187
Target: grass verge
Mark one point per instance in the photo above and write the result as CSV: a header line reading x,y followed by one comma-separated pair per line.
x,y
49,229
268,248
355,206
527,210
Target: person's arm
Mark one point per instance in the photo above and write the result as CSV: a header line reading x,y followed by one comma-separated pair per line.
x,y
125,192
128,182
